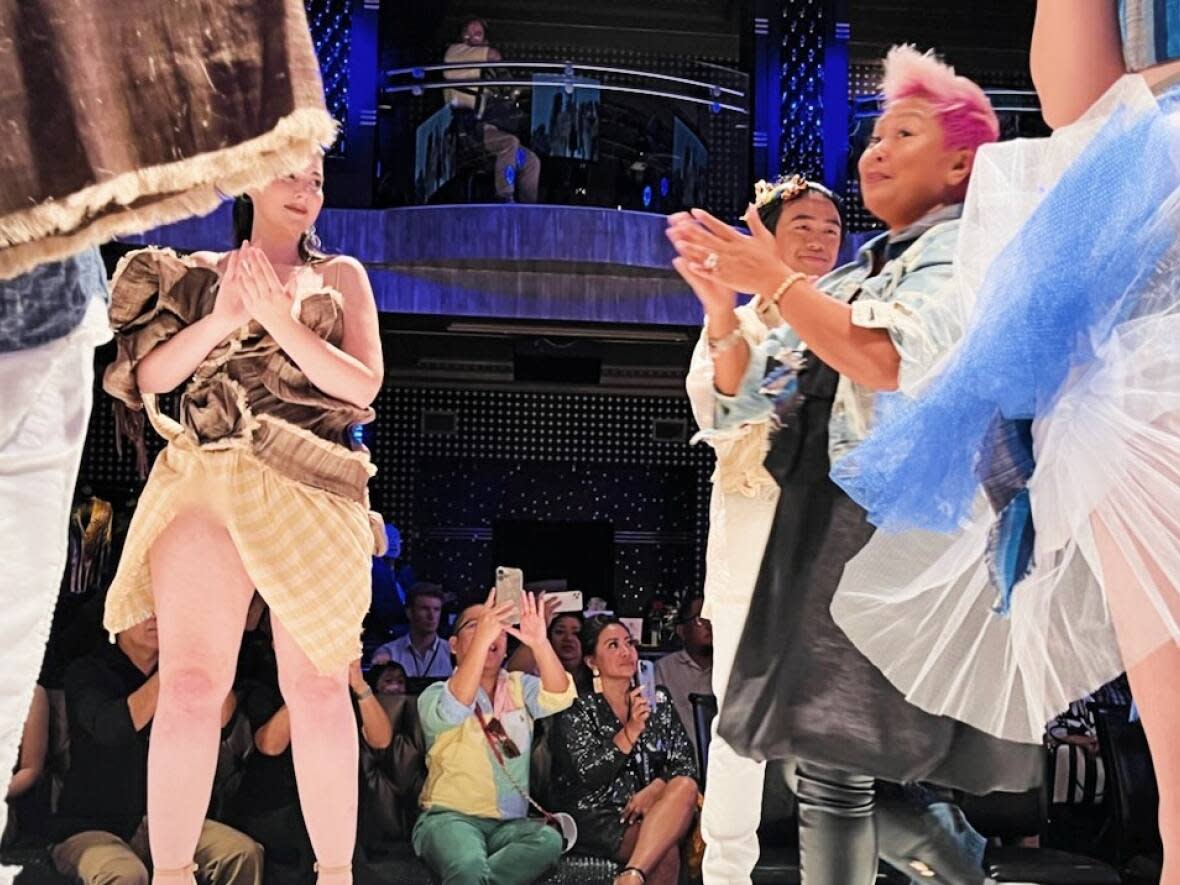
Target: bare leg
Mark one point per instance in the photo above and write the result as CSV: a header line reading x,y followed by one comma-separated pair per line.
x,y
201,595
662,830
1153,684
324,746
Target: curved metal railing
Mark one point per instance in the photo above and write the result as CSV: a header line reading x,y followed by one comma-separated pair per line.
x,y
416,81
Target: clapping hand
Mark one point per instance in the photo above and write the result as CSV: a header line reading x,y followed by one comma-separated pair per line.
x,y
714,296
229,308
714,250
266,299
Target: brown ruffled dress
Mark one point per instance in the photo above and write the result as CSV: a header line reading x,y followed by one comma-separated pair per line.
x,y
258,445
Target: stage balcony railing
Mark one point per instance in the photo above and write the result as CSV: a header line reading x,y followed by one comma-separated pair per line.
x,y
605,135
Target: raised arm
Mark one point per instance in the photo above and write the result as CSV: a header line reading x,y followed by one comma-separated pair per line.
x,y
352,372
1076,55
175,360
866,356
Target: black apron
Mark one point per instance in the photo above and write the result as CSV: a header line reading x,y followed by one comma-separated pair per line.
x,y
799,688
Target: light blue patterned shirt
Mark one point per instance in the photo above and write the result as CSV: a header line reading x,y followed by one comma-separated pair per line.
x,y
905,299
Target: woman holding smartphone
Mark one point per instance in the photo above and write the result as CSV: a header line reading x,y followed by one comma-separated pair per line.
x,y
624,771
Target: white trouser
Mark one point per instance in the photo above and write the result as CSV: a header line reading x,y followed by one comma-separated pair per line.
x,y
45,399
733,784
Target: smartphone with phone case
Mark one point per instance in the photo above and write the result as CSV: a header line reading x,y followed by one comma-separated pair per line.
x,y
645,678
510,588
567,600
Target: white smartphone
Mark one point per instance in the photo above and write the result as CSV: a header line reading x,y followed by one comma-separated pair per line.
x,y
509,588
567,600
645,677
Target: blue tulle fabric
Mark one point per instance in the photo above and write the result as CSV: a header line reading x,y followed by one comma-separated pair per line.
x,y
1048,301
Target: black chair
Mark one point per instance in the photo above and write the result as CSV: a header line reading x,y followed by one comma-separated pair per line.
x,y
1131,792
1015,816
704,711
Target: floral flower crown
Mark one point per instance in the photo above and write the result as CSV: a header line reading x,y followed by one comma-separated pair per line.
x,y
786,189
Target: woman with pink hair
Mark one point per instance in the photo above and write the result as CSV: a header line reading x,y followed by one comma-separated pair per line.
x,y
1042,463
799,690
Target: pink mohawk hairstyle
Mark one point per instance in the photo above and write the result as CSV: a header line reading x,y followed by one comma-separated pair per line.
x,y
967,117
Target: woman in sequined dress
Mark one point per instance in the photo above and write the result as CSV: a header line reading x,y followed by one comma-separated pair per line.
x,y
625,772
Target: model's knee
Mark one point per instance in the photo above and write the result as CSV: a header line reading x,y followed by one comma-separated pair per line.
x,y
308,690
192,689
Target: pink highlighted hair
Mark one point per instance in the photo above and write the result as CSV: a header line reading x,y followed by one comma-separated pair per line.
x,y
963,110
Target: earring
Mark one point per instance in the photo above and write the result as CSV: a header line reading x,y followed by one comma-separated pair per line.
x,y
597,683
312,241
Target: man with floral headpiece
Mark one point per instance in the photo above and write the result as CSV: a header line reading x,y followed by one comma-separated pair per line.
x,y
805,219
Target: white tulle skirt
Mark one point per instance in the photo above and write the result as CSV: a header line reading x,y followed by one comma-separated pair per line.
x,y
1104,590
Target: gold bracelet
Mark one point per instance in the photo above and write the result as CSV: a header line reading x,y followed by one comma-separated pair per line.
x,y
726,342
784,286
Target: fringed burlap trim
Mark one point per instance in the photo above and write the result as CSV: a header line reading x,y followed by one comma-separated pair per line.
x,y
170,192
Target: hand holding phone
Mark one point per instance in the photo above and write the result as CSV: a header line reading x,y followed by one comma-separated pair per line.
x,y
567,601
639,710
645,679
509,589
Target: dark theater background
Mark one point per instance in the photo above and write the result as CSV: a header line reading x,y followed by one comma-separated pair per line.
x,y
534,411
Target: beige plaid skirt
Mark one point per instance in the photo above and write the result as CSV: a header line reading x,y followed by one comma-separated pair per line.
x,y
307,550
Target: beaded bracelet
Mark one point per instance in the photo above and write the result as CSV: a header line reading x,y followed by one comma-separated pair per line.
x,y
785,285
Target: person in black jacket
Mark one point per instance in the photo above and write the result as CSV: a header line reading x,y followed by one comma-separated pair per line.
x,y
100,831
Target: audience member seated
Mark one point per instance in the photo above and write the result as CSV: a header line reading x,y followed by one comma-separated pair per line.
x,y
518,170
421,652
690,670
267,803
1079,773
387,679
625,772
27,795
565,635
100,829
478,726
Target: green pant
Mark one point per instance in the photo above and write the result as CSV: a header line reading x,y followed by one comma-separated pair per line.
x,y
465,850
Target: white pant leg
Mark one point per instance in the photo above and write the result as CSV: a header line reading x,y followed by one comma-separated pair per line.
x,y
733,786
45,399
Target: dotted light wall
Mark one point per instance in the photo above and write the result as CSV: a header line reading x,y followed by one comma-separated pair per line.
x,y
560,457
803,88
330,24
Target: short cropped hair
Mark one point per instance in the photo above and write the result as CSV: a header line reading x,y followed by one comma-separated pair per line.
x,y
963,109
